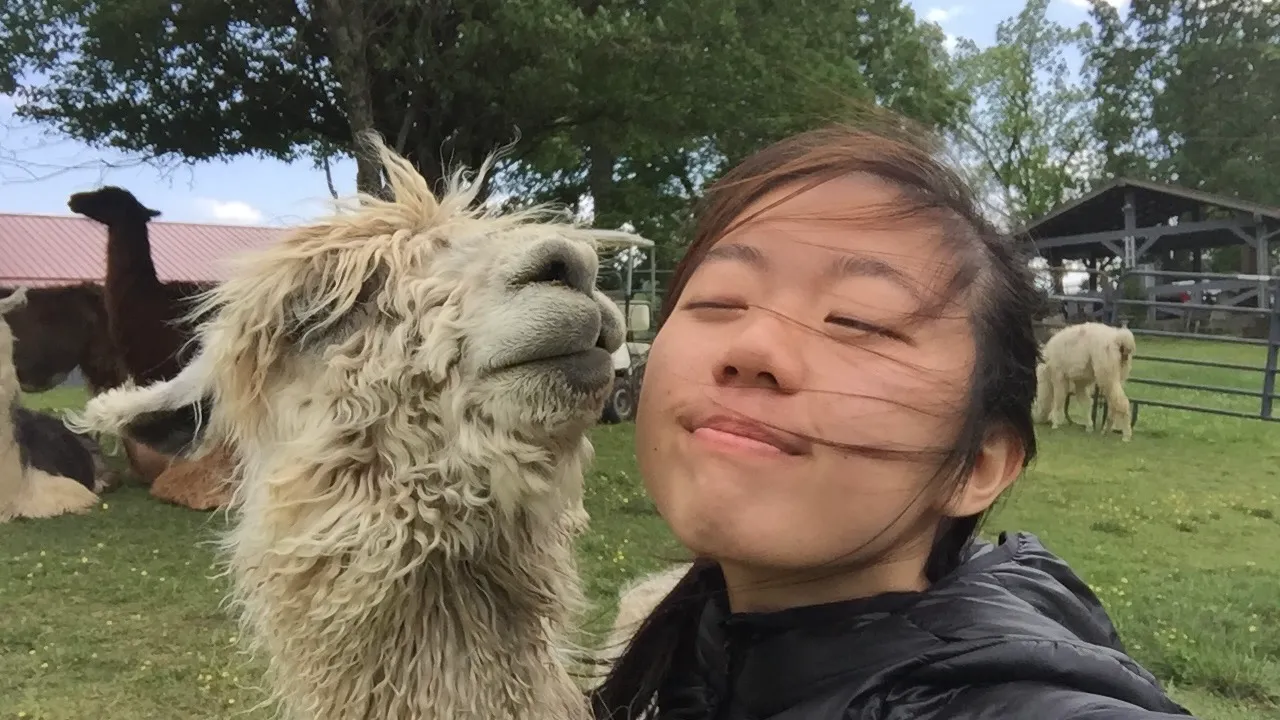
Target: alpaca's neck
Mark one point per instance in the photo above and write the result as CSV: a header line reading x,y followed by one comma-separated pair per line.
x,y
351,638
140,314
129,255
498,645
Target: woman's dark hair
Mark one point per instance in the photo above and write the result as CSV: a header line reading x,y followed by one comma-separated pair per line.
x,y
991,276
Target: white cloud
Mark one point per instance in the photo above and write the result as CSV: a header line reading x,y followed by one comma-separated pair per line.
x,y
949,42
942,15
230,211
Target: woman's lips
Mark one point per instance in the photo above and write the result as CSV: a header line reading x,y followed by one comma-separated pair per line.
x,y
737,443
745,435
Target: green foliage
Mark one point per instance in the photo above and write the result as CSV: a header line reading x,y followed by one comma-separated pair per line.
x,y
1188,93
1029,132
635,103
772,69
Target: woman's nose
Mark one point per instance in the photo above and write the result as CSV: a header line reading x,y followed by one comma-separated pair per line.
x,y
767,354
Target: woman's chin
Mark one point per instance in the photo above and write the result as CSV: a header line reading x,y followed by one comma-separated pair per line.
x,y
721,528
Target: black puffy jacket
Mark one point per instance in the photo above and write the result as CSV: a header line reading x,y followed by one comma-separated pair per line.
x,y
1012,633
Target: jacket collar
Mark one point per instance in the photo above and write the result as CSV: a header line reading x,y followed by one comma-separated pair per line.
x,y
763,663
1012,607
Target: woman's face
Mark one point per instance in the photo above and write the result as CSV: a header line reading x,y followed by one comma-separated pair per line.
x,y
804,325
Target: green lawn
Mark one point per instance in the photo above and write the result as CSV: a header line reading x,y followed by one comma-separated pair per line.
x,y
115,615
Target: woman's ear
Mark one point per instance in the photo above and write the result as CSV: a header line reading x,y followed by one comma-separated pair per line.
x,y
999,463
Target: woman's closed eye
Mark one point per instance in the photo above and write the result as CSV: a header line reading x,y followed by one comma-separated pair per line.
x,y
724,308
865,327
714,305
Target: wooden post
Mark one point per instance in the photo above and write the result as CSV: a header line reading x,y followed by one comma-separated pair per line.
x,y
1263,258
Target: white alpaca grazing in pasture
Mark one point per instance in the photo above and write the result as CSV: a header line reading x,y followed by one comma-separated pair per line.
x,y
407,388
1077,358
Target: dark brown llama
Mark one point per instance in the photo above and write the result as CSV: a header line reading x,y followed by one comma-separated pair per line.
x,y
59,329
145,316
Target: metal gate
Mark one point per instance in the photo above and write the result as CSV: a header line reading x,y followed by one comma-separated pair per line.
x,y
1243,307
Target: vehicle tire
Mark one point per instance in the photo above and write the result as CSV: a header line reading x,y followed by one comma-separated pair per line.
x,y
621,405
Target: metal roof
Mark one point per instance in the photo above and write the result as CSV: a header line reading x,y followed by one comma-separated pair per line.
x,y
1102,209
42,250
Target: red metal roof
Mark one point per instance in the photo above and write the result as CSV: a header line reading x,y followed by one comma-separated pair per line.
x,y
40,250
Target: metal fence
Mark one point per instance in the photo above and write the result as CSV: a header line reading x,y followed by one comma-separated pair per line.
x,y
1253,320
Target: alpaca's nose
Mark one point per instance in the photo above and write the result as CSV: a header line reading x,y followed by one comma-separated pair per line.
x,y
557,261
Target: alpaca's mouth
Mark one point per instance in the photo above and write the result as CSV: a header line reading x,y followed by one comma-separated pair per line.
x,y
583,370
553,359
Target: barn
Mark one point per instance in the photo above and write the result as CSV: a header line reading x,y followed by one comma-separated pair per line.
x,y
60,250
43,250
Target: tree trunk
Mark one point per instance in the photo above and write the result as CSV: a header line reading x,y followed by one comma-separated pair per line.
x,y
345,20
600,184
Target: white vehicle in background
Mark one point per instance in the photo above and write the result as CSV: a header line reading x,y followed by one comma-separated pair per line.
x,y
623,268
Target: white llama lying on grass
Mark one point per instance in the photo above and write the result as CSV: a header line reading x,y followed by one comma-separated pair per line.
x,y
45,470
1078,358
407,388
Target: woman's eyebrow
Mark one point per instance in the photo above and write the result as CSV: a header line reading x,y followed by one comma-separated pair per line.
x,y
738,253
845,267
863,266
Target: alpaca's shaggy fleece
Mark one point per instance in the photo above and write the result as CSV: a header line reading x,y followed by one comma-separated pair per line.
x,y
201,483
406,388
12,473
59,329
1077,358
27,489
44,496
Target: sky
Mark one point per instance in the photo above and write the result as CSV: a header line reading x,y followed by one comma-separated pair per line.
x,y
255,191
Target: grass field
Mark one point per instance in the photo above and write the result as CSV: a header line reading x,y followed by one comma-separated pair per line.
x,y
116,614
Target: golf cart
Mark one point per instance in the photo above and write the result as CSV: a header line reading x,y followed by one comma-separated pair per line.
x,y
622,270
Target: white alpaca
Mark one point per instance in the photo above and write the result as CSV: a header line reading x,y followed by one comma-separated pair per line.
x,y
1078,358
27,491
636,601
407,388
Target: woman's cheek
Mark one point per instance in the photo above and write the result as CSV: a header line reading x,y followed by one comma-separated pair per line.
x,y
886,409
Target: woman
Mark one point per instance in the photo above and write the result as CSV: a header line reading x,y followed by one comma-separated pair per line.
x,y
840,391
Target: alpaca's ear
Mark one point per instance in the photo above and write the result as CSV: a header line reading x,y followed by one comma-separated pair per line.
x,y
152,213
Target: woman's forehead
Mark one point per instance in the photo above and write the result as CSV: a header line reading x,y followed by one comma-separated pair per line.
x,y
857,189
847,227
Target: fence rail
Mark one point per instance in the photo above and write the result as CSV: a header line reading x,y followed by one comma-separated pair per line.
x,y
1109,306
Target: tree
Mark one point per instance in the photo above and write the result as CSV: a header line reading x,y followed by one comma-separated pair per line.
x,y
637,92
1028,135
881,54
1122,87
1188,95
